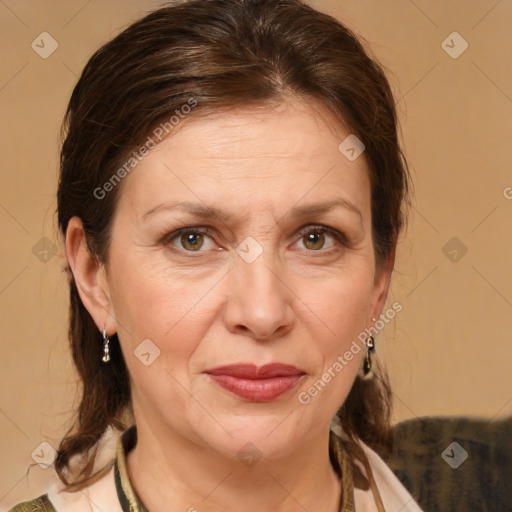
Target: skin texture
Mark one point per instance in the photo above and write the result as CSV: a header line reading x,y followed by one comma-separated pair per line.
x,y
301,302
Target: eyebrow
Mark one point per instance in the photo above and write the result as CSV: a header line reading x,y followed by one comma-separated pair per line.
x,y
207,212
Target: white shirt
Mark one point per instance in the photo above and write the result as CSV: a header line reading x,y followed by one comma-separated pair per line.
x,y
102,495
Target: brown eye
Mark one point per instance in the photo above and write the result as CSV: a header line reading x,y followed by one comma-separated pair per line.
x,y
192,241
322,239
314,240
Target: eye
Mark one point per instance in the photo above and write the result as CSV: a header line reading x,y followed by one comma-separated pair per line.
x,y
191,239
314,238
198,239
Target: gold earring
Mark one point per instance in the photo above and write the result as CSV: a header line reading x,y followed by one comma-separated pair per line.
x,y
106,350
370,347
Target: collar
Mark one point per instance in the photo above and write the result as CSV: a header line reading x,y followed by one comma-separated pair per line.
x,y
130,502
128,499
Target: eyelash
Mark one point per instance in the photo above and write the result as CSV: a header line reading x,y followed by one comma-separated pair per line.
x,y
313,228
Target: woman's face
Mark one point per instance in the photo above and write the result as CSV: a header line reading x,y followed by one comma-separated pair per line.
x,y
282,272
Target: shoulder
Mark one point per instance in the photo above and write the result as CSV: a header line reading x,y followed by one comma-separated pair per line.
x,y
100,496
39,504
394,495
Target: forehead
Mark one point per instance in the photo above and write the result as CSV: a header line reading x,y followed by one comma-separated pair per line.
x,y
270,155
294,129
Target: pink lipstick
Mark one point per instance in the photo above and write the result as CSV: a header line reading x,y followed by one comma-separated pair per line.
x,y
256,383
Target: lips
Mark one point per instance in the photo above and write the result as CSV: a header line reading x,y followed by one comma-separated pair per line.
x,y
256,383
250,371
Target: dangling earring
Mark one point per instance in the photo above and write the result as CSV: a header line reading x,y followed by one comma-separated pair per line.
x,y
106,350
370,347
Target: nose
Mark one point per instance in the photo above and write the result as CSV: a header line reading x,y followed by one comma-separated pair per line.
x,y
259,300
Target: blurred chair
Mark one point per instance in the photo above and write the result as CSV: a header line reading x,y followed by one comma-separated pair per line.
x,y
455,464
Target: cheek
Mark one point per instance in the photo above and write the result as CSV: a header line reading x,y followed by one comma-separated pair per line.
x,y
171,312
341,304
175,308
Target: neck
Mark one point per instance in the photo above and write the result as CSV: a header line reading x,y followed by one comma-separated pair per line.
x,y
170,473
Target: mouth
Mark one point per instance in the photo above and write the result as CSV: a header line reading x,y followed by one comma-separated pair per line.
x,y
256,383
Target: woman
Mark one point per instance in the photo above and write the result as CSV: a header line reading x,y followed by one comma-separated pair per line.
x,y
230,196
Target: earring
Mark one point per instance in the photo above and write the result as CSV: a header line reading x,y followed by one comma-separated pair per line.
x,y
106,350
370,346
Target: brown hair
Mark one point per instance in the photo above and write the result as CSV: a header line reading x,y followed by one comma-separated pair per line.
x,y
218,54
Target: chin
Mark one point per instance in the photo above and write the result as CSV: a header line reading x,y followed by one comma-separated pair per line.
x,y
271,436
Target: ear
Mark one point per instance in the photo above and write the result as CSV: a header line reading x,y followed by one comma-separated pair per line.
x,y
381,286
90,278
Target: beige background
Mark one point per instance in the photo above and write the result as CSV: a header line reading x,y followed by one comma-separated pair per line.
x,y
448,351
